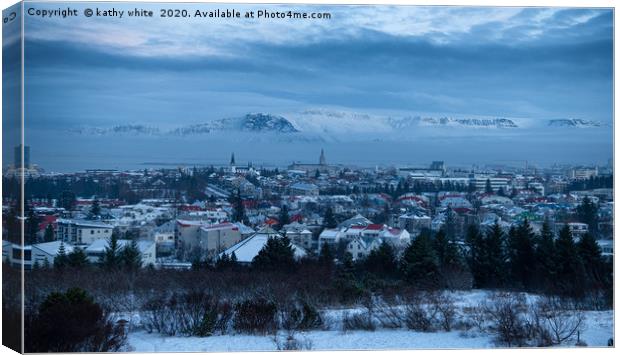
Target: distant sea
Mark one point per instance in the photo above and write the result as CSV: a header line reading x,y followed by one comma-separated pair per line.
x,y
68,152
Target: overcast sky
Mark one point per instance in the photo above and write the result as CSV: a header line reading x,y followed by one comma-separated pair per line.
x,y
509,62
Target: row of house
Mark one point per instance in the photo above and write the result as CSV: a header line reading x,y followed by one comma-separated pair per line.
x,y
362,239
44,254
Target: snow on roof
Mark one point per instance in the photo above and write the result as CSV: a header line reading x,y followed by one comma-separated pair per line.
x,y
243,228
225,225
247,249
189,223
52,248
330,233
84,223
99,245
304,186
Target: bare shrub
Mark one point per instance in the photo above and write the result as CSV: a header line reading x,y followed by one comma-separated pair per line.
x,y
445,309
300,315
506,313
418,316
255,316
159,316
358,321
389,314
562,321
193,314
477,316
290,342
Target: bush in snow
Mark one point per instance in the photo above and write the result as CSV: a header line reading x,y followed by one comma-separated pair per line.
x,y
192,314
360,321
507,316
72,322
290,342
389,313
357,321
202,314
255,316
445,309
559,320
159,317
418,315
300,315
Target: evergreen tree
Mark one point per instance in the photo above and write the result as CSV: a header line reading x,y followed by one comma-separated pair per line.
x,y
545,248
31,227
283,218
61,260
477,255
277,254
95,210
570,271
77,258
419,263
591,256
487,188
68,200
522,254
111,258
222,262
326,257
329,221
130,256
382,260
13,227
495,256
448,255
49,233
587,212
226,261
449,226
239,209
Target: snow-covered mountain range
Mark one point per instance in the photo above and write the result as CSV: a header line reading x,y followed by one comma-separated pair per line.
x,y
340,125
575,123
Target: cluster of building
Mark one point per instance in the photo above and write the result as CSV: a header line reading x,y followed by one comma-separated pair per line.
x,y
370,206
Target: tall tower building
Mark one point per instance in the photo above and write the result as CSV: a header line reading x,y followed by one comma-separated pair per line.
x,y
233,169
322,160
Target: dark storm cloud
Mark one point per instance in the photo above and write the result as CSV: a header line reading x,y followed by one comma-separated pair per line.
x,y
555,65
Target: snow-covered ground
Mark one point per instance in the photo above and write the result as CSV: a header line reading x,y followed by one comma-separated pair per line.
x,y
596,332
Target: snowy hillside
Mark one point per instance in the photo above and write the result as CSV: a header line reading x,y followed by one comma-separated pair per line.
x,y
252,122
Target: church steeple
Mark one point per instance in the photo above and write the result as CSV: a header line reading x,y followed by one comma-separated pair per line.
x,y
232,159
322,160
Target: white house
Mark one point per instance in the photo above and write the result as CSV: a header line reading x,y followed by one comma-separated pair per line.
x,y
81,232
14,254
95,251
299,234
331,237
395,236
44,253
247,249
360,247
217,237
301,188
